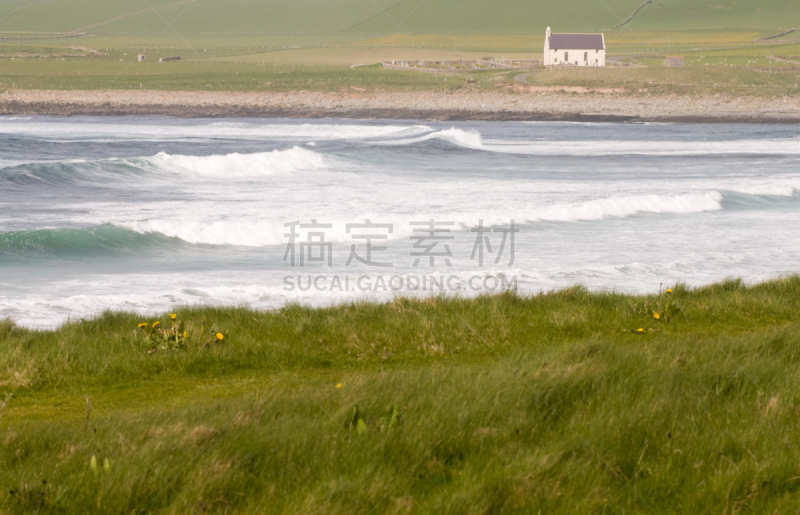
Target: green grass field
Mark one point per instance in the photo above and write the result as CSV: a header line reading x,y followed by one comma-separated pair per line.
x,y
687,81
385,16
317,41
555,402
220,76
244,73
203,16
574,16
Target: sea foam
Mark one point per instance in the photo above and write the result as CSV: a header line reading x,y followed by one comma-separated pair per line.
x,y
266,232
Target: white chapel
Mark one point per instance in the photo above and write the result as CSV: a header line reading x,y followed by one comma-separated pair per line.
x,y
574,49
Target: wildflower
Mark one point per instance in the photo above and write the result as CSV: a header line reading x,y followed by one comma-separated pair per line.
x,y
220,336
184,334
339,385
669,290
156,324
640,330
172,316
142,325
657,316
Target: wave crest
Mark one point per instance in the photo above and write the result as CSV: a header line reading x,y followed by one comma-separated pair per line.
x,y
466,139
259,233
77,243
166,166
240,166
473,140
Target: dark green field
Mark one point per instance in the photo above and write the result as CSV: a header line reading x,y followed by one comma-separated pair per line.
x,y
498,404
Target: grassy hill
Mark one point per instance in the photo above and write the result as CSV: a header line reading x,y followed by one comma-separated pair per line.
x,y
186,16
533,16
67,15
256,16
386,16
525,16
236,27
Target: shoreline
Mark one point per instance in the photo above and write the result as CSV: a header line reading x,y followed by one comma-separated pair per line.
x,y
691,289
518,103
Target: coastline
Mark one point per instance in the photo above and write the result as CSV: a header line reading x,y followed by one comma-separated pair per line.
x,y
518,103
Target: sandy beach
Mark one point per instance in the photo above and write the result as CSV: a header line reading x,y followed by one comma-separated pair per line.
x,y
515,103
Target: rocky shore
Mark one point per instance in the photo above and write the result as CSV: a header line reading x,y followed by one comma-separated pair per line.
x,y
516,103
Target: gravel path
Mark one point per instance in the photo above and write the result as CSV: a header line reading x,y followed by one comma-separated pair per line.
x,y
523,77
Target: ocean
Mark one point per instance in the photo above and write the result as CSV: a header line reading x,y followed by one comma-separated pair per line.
x,y
148,214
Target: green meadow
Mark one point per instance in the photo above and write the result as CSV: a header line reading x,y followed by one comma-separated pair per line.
x,y
241,44
567,400
236,17
221,76
579,16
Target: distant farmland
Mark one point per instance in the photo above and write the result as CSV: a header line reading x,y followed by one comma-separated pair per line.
x,y
573,15
232,44
215,17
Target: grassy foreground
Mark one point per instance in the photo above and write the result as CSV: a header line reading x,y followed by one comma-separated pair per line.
x,y
506,403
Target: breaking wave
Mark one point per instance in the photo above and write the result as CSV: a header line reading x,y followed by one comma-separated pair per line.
x,y
547,147
256,233
167,166
235,165
78,243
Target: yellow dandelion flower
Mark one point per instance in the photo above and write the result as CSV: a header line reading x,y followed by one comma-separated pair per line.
x,y
339,385
143,324
173,316
184,334
220,336
640,330
156,324
656,316
669,290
